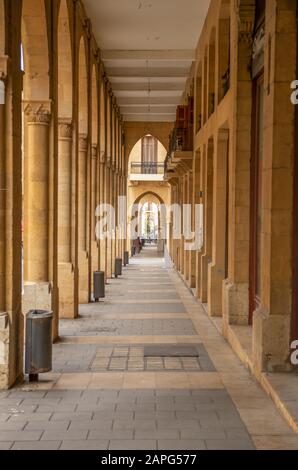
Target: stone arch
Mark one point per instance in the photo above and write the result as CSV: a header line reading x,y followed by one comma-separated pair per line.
x,y
224,25
136,151
211,74
146,193
35,50
65,65
136,130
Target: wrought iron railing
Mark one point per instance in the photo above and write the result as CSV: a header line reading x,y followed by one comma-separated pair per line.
x,y
147,168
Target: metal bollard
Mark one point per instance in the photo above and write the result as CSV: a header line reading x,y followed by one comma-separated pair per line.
x,y
99,285
118,267
38,354
126,258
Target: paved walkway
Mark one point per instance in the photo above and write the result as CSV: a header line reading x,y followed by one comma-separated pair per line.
x,y
144,369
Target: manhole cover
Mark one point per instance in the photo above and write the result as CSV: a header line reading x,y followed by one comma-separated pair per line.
x,y
170,351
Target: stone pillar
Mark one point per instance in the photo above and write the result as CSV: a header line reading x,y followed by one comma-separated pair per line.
x,y
206,257
82,221
37,290
113,204
94,246
192,253
108,200
271,321
102,242
67,308
198,197
216,270
236,286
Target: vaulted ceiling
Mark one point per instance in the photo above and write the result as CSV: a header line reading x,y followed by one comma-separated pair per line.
x,y
148,47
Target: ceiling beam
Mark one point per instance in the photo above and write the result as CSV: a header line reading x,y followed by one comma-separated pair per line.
x,y
165,86
131,101
164,72
149,117
174,55
147,109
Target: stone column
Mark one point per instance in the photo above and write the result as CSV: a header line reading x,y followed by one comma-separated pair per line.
x,y
37,292
82,221
108,200
94,265
216,270
236,286
192,253
65,267
208,203
103,242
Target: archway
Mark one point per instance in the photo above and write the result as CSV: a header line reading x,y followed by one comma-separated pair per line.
x,y
148,208
147,157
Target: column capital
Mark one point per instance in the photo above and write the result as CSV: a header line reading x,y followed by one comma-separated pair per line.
x,y
83,143
38,112
65,128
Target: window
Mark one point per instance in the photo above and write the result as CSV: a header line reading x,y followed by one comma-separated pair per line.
x,y
149,150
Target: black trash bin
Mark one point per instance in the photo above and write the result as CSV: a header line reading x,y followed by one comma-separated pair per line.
x,y
118,267
38,354
99,285
126,258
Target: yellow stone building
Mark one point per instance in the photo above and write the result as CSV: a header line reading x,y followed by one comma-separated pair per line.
x,y
92,110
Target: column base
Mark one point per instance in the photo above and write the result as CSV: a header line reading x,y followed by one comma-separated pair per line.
x,y
83,278
37,296
67,307
214,294
234,304
270,343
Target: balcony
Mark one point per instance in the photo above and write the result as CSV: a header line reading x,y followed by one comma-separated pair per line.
x,y
146,171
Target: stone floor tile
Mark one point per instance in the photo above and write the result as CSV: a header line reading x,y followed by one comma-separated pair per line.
x,y
70,435
36,445
133,444
85,445
165,444
229,444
